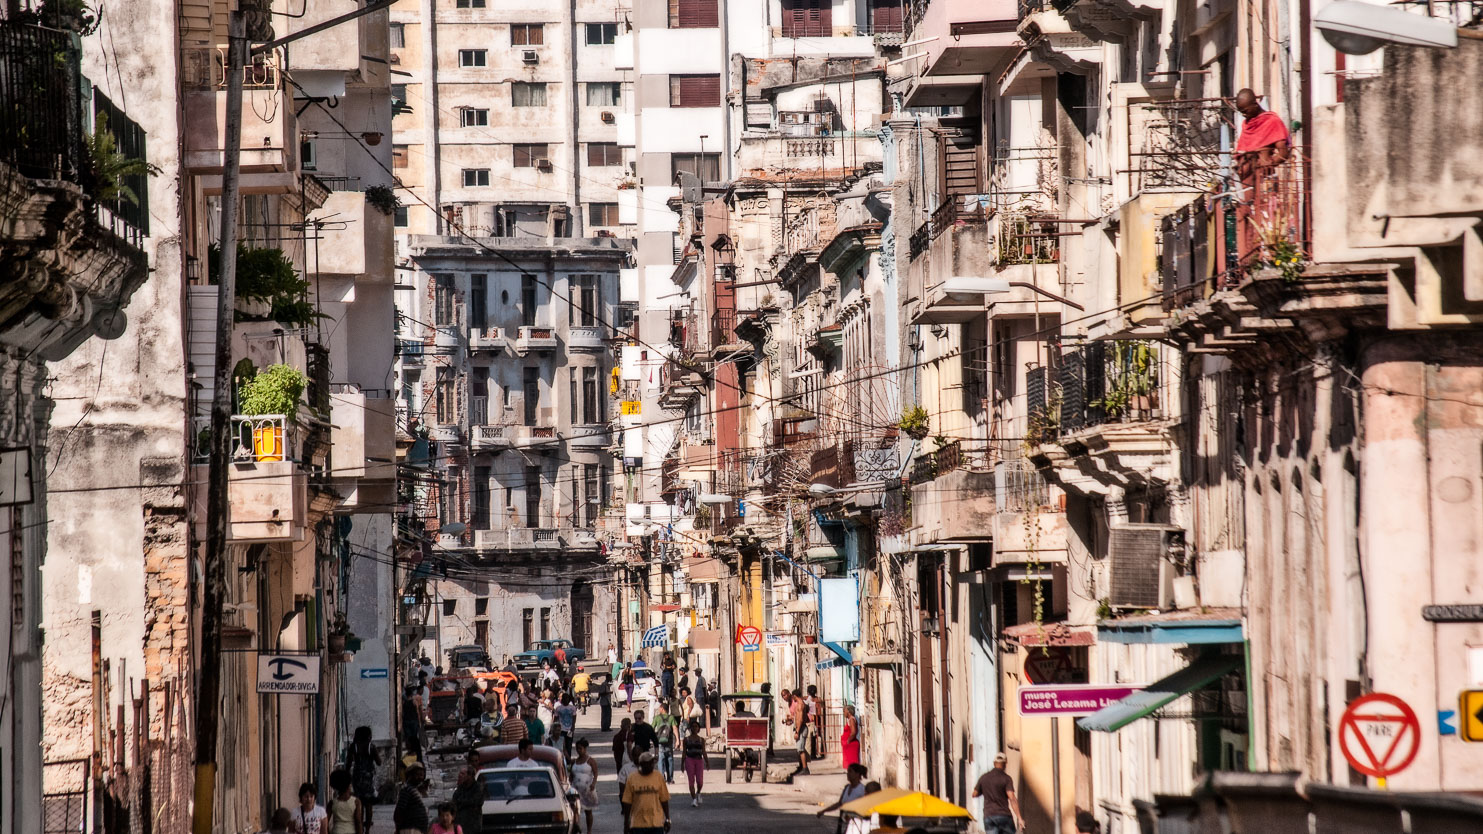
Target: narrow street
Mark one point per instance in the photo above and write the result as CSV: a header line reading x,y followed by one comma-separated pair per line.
x,y
738,808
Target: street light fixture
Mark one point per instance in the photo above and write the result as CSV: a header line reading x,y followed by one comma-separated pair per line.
x,y
965,287
1357,28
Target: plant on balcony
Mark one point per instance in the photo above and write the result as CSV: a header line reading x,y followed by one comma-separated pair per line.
x,y
71,15
1282,254
383,198
1131,378
110,168
273,391
269,285
914,422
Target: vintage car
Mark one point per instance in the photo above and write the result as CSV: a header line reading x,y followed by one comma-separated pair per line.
x,y
545,650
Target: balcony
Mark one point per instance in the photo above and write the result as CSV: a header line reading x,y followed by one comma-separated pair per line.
x,y
355,238
530,338
486,340
589,436
678,386
445,433
534,540
962,472
964,37
1105,400
487,438
267,488
840,150
585,338
80,253
446,339
528,436
269,130
362,434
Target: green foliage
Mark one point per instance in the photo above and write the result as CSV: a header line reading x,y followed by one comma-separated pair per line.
x,y
1283,255
383,199
1132,371
1104,609
914,422
268,275
275,390
110,167
72,15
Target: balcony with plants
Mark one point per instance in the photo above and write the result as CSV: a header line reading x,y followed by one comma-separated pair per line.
x,y
75,180
272,448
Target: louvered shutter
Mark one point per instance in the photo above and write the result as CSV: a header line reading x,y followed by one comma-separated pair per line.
x,y
885,16
695,90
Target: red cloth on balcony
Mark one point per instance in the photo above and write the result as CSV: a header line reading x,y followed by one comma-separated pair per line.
x,y
1265,130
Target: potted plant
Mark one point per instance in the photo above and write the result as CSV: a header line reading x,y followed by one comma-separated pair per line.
x,y
914,422
383,198
268,286
273,391
338,635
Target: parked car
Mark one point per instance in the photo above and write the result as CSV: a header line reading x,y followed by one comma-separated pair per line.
x,y
545,650
525,799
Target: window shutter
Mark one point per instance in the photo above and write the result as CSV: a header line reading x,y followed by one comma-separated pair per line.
x,y
885,16
696,90
693,14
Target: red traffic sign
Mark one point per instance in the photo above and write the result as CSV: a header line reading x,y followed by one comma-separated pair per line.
x,y
1050,665
1379,735
749,635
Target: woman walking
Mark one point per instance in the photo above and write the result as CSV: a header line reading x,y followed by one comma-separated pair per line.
x,y
621,740
363,760
627,681
695,762
849,739
343,808
584,779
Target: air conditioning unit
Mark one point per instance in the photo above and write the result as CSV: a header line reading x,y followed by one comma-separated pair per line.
x,y
608,118
1142,562
530,56
543,165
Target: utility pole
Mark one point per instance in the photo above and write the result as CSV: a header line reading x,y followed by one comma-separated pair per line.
x,y
208,692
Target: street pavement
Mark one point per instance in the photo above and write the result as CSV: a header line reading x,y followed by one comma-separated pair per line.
x,y
737,808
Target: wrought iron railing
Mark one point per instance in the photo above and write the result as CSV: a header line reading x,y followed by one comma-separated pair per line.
x,y
1027,238
41,125
263,438
937,463
954,211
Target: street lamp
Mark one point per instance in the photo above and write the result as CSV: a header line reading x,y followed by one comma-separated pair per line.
x,y
1357,28
965,287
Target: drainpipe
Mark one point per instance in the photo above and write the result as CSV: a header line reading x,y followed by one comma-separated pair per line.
x,y
430,119
576,219
726,111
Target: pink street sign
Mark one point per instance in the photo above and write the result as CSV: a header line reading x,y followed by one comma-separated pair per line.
x,y
1071,699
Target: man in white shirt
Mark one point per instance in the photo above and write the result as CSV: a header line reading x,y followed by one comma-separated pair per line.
x,y
522,756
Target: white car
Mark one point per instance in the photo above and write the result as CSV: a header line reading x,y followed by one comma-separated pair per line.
x,y
524,799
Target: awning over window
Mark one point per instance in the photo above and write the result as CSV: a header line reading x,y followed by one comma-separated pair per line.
x,y
1197,675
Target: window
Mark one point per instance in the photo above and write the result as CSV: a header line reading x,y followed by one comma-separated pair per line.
x,y
527,617
693,14
605,94
444,402
571,376
478,299
602,214
307,159
527,301
399,100
807,18
695,91
526,156
528,94
481,606
527,34
442,300
601,33
604,154
707,166
885,16
589,396
472,57
545,624
472,117
398,156
481,631
533,514
475,176
481,499
398,35
582,311
469,4
399,217
531,388
450,607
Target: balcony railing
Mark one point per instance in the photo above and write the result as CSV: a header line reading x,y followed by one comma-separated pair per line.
x,y
937,463
1027,238
956,211
261,438
41,125
1101,383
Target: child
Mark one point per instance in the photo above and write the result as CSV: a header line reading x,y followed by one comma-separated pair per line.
x,y
344,809
445,823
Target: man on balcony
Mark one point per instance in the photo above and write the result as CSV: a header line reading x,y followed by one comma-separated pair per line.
x,y
1265,218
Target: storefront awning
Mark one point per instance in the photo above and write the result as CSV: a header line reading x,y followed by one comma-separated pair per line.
x,y
1197,675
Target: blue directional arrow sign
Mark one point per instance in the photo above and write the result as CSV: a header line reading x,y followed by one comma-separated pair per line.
x,y
1447,722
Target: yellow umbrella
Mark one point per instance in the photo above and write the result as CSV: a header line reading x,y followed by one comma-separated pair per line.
x,y
919,805
865,805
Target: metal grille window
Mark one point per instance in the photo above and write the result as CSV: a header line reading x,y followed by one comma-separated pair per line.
x,y
604,154
473,117
601,33
693,14
602,214
528,94
695,91
604,94
527,34
473,177
527,156
473,57
442,299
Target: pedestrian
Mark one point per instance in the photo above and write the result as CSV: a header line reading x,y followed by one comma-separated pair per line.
x,y
645,800
605,704
410,814
473,703
512,729
665,730
695,761
667,675
343,808
627,684
581,688
642,736
684,681
446,823
849,739
1001,804
566,718
584,780
628,768
713,702
620,742
523,757
689,707
815,720
612,655
854,788
798,720
535,728
280,821
859,824
310,817
468,801
363,759
412,723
